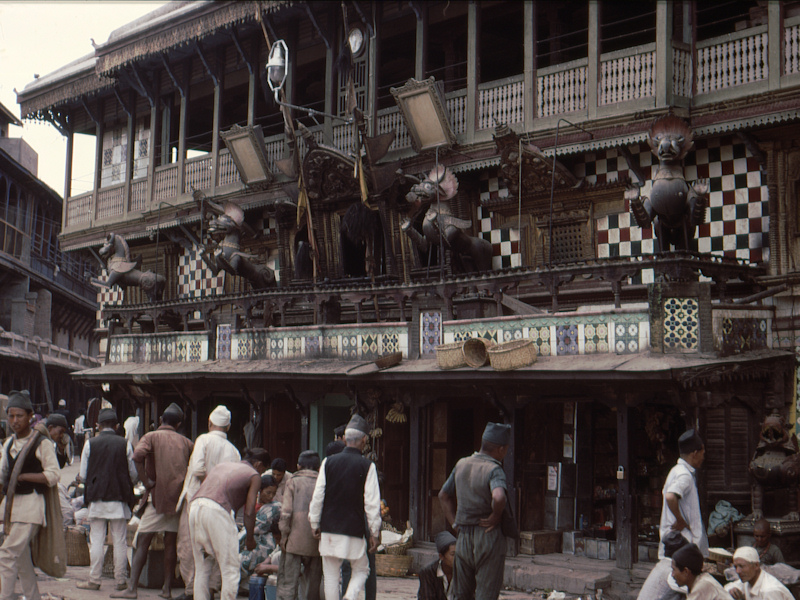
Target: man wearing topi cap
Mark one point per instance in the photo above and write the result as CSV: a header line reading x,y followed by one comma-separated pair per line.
x,y
435,579
27,512
473,499
210,449
108,473
680,509
754,583
161,458
346,491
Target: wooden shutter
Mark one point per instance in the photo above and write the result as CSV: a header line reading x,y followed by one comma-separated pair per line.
x,y
730,443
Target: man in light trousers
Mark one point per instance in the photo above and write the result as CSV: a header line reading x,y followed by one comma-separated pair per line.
x,y
108,472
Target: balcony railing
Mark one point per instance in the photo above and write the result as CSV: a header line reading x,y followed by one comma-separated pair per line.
x,y
628,75
227,168
138,201
198,173
735,59
791,46
561,89
166,183
501,102
682,70
110,202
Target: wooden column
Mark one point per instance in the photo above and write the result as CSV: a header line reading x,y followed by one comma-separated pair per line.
x,y
624,518
152,152
593,71
508,467
415,483
529,68
215,130
421,54
99,129
182,143
331,82
67,170
473,68
664,55
372,74
775,44
129,156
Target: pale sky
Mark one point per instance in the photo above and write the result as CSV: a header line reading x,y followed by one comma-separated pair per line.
x,y
38,37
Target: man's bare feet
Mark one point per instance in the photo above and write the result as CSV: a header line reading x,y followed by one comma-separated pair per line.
x,y
127,593
167,594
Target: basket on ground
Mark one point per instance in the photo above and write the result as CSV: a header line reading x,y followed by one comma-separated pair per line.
x,y
392,565
450,356
399,549
512,355
77,547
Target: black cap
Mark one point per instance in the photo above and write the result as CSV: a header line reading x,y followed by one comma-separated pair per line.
x,y
673,541
443,540
20,400
689,442
57,420
358,423
497,433
174,409
107,415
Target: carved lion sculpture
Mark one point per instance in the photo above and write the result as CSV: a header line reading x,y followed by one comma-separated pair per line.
x,y
776,464
674,208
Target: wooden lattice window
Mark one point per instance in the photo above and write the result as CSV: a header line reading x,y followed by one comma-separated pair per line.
x,y
568,242
729,441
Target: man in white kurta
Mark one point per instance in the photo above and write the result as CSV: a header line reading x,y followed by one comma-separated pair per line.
x,y
28,509
680,510
338,508
210,449
131,426
754,583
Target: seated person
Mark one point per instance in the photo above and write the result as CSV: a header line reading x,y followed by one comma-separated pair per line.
x,y
768,553
687,570
659,584
266,528
434,580
754,584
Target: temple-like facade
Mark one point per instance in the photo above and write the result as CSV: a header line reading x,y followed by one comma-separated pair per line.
x,y
429,172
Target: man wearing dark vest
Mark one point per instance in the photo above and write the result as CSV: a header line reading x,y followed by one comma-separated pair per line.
x,y
346,508
27,512
108,473
473,499
226,488
161,458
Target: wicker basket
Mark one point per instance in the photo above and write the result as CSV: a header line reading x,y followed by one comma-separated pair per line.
x,y
77,547
108,564
475,352
512,355
391,565
398,549
450,356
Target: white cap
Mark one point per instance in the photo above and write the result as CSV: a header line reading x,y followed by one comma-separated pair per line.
x,y
62,402
220,416
747,553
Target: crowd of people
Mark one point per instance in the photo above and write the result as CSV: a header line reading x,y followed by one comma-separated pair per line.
x,y
681,573
315,528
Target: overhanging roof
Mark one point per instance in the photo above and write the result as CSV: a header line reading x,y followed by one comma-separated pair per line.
x,y
687,370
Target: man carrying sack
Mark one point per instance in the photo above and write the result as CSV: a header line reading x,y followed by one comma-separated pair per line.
x,y
29,474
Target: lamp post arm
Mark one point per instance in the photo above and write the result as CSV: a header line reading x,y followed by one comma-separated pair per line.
x,y
311,111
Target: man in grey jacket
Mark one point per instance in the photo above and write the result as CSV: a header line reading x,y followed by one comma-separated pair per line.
x,y
300,547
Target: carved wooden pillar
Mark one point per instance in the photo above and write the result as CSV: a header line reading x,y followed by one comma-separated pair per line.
x,y
285,219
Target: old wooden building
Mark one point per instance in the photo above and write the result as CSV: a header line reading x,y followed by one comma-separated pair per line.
x,y
541,111
47,305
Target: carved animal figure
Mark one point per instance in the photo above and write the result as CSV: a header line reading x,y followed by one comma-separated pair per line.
x,y
123,271
228,223
776,464
674,207
469,253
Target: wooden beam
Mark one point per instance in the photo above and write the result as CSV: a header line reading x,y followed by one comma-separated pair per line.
x,y
313,20
624,521
172,76
143,89
520,307
128,110
89,111
199,49
238,45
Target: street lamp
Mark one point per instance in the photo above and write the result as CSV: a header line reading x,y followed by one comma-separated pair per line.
x,y
423,108
249,153
277,69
